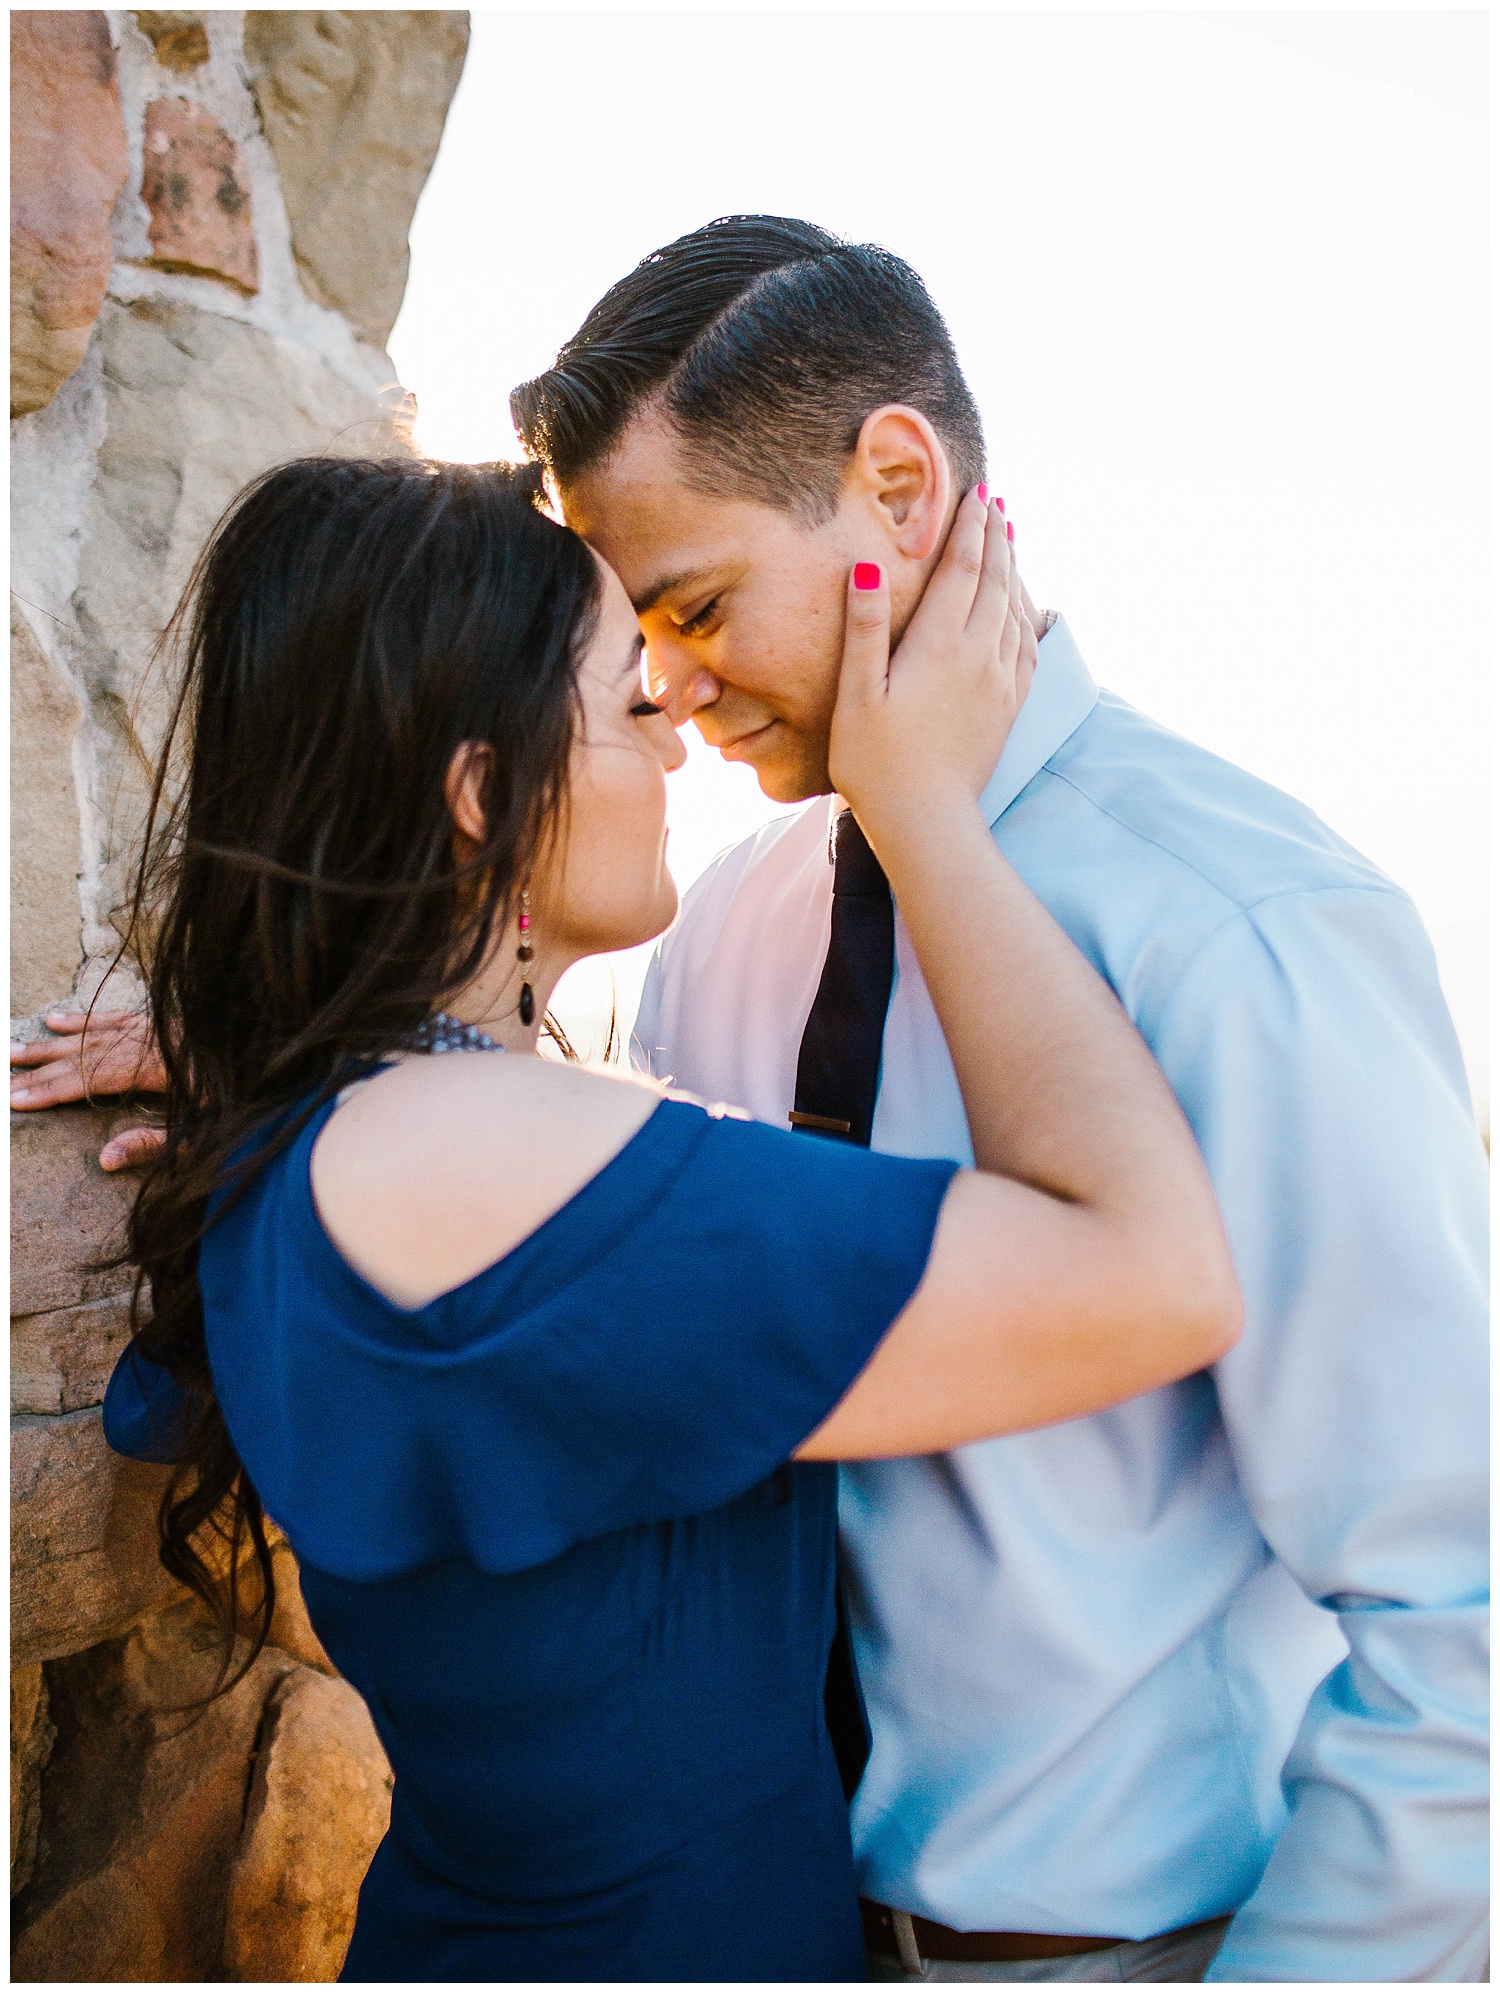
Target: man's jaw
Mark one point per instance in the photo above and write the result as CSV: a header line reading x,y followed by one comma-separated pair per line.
x,y
771,749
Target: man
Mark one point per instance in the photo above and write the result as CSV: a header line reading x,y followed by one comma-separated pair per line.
x,y
1217,1654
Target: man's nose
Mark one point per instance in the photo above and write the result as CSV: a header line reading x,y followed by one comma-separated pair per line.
x,y
681,688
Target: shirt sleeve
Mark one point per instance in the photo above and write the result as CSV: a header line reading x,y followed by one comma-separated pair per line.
x,y
698,1353
1311,1048
644,1049
655,1350
145,1411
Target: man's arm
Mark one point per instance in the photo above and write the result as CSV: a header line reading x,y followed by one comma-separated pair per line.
x,y
1311,1048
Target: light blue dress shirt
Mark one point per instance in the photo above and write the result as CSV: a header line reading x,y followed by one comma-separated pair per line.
x,y
1223,1648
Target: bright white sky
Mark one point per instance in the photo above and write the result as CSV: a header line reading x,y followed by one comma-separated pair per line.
x,y
1219,282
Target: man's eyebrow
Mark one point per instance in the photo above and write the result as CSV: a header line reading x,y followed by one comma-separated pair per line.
x,y
664,585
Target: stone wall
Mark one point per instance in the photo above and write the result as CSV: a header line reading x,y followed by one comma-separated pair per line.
x,y
209,222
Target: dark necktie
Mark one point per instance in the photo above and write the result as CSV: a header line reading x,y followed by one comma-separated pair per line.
x,y
838,1076
838,1067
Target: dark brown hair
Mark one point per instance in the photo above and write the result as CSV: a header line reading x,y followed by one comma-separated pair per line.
x,y
766,342
299,908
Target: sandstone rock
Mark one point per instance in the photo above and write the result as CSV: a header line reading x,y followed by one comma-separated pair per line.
x,y
291,1629
67,163
180,40
130,1831
46,945
195,185
319,1803
143,1804
60,1361
353,104
31,1739
107,1927
196,406
64,1208
83,1538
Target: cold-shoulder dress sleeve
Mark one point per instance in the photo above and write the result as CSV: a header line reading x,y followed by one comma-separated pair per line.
x,y
654,1350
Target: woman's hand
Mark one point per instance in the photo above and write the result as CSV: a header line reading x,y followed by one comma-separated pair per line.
x,y
923,728
83,1058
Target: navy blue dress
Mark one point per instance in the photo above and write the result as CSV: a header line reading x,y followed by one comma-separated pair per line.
x,y
549,1529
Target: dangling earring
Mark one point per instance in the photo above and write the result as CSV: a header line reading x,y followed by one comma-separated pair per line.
x,y
523,956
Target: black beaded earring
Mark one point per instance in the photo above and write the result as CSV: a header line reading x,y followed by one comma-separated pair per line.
x,y
523,956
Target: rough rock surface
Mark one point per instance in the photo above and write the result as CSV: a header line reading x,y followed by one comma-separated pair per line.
x,y
319,1803
291,1629
60,1360
83,1537
143,1803
46,946
353,104
67,163
31,1739
129,1831
180,40
197,190
63,1209
195,406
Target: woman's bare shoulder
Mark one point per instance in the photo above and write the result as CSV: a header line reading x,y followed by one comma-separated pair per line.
x,y
437,1167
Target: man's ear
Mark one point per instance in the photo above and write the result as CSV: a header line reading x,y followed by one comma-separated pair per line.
x,y
901,470
464,786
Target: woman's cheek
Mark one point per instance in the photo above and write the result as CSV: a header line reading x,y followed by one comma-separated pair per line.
x,y
625,838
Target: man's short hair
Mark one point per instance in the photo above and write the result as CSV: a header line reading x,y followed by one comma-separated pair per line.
x,y
765,343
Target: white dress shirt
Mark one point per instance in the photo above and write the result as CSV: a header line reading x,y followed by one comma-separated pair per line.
x,y
1224,1645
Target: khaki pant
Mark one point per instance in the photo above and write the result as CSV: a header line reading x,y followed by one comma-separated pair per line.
x,y
1179,1959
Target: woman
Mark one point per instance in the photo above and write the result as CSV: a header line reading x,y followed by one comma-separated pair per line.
x,y
543,1373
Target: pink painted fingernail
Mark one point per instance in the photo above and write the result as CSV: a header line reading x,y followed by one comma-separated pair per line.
x,y
983,492
1010,531
866,576
1001,503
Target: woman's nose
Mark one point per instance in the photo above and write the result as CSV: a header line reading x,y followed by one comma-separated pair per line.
x,y
672,749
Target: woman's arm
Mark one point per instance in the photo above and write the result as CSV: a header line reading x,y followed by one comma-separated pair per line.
x,y
1084,1261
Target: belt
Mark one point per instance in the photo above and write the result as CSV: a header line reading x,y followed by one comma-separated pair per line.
x,y
922,1939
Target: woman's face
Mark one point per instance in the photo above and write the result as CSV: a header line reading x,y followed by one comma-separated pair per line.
x,y
608,885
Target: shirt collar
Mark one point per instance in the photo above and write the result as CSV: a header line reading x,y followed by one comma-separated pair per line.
x,y
1061,698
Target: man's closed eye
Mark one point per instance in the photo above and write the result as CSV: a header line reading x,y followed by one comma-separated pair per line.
x,y
698,625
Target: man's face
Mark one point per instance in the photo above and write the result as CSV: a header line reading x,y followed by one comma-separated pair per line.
x,y
742,605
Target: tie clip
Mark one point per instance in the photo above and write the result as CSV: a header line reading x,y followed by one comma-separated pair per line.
x,y
800,1120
